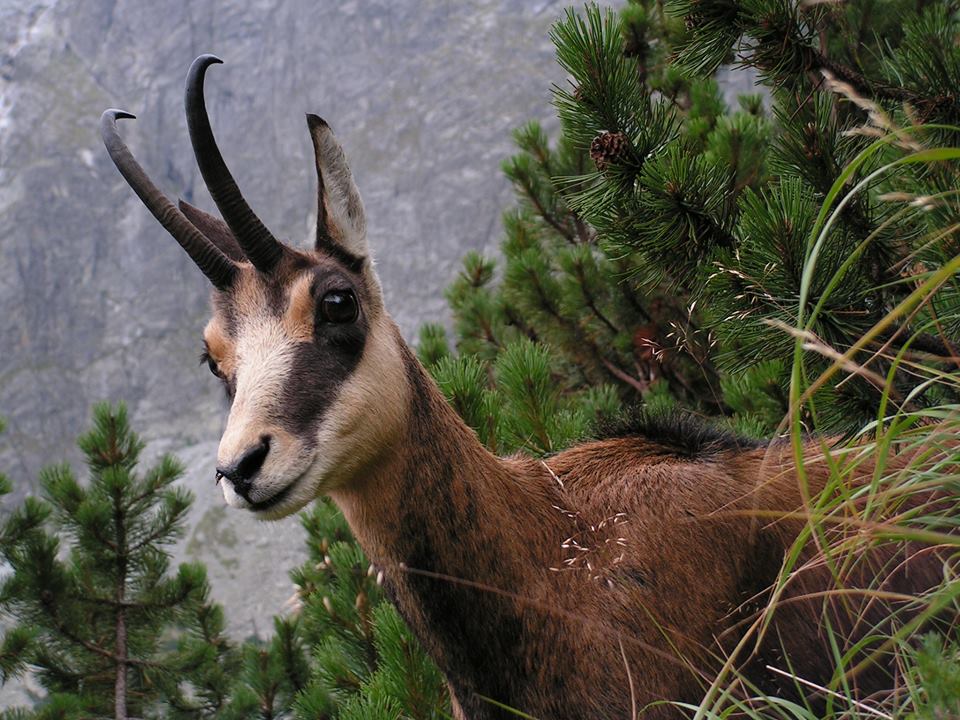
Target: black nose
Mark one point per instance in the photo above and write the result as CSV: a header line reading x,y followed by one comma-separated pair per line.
x,y
242,472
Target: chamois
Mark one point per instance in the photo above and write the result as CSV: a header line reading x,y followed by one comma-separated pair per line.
x,y
590,584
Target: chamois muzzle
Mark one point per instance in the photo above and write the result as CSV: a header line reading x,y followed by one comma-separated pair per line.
x,y
220,269
242,472
259,245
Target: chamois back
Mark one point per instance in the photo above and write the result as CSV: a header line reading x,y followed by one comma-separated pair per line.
x,y
703,522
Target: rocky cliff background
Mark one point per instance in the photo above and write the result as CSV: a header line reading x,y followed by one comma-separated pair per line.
x,y
97,302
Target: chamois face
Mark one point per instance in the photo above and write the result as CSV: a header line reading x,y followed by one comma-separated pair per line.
x,y
311,362
301,354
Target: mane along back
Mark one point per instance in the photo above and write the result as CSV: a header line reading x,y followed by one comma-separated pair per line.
x,y
676,433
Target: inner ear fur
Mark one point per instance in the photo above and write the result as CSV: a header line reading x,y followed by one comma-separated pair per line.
x,y
215,230
341,222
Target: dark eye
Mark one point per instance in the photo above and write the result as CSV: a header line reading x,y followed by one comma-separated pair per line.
x,y
339,306
211,363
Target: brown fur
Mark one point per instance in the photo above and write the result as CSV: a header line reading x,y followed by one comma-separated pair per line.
x,y
219,346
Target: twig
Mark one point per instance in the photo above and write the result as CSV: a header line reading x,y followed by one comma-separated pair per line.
x,y
633,695
857,704
637,385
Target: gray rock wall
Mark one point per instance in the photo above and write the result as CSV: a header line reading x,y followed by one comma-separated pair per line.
x,y
98,303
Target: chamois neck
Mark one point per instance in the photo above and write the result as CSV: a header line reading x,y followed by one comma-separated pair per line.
x,y
462,537
438,498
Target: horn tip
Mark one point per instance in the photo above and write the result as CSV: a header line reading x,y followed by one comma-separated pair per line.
x,y
115,114
208,59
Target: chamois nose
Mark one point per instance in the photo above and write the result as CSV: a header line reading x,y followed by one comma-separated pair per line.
x,y
242,472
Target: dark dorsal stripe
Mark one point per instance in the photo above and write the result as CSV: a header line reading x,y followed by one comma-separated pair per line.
x,y
682,434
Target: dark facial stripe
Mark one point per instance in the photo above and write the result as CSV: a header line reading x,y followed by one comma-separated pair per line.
x,y
318,371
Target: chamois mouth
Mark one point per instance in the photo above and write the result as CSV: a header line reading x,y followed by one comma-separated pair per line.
x,y
274,501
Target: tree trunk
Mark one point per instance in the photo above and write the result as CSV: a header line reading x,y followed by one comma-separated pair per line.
x,y
120,649
120,688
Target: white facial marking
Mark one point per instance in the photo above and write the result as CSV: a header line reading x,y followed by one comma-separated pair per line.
x,y
264,355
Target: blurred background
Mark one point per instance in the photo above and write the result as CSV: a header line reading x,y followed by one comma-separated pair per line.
x,y
98,303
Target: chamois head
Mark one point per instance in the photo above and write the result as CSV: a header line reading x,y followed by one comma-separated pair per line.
x,y
299,338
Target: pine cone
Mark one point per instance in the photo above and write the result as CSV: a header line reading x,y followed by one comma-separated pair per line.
x,y
694,21
608,148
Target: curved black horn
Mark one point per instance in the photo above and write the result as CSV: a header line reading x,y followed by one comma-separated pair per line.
x,y
259,245
220,269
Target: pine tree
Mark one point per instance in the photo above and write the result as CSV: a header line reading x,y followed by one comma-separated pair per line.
x,y
615,324
557,287
97,611
728,216
20,525
660,246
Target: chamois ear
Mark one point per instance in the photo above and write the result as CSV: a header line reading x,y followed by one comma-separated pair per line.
x,y
341,223
215,230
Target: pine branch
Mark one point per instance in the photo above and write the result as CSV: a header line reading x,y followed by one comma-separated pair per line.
x,y
584,287
92,647
547,216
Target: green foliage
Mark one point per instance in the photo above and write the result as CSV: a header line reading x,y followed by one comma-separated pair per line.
x,y
533,417
697,205
93,598
202,668
433,347
95,609
788,263
938,679
365,662
559,288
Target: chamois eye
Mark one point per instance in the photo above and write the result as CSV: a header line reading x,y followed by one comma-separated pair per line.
x,y
211,363
339,306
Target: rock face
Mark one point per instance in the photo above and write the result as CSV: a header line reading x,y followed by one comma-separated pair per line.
x,y
99,303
